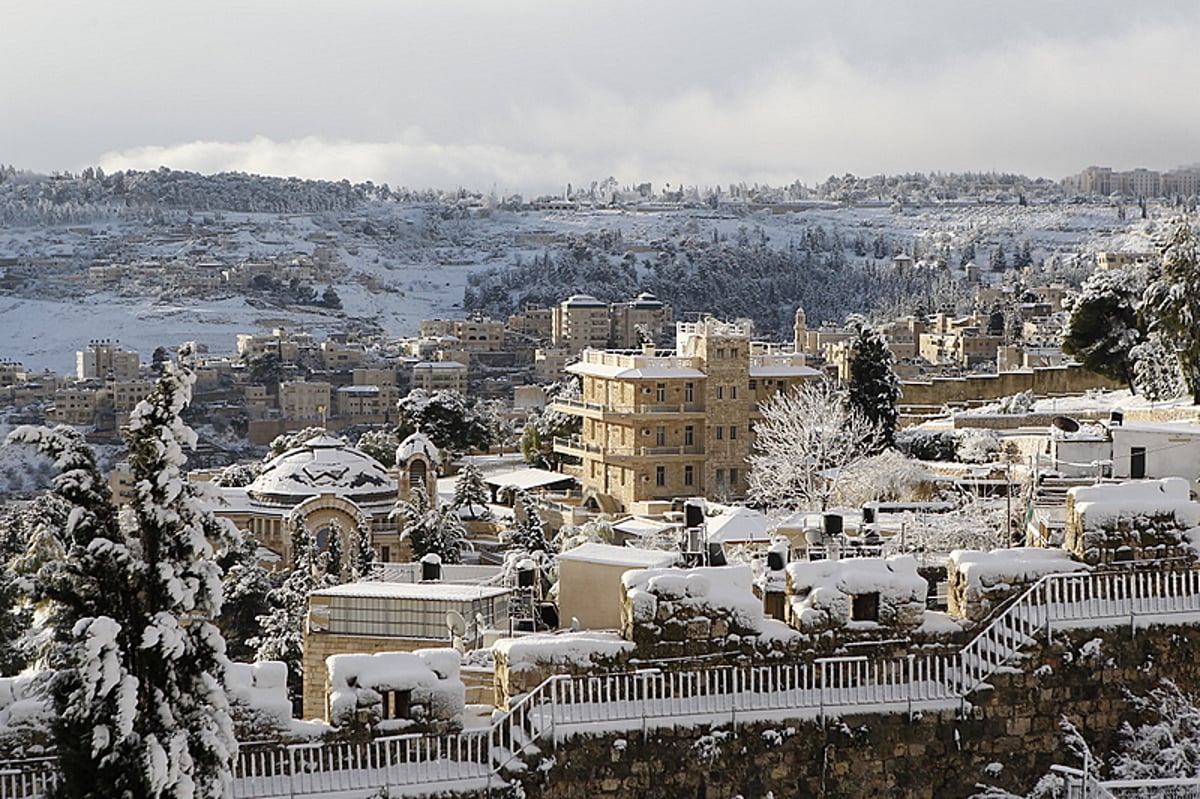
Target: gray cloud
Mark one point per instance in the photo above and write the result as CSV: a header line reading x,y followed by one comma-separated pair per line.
x,y
528,95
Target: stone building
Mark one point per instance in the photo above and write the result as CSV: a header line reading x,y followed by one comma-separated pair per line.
x,y
661,424
324,483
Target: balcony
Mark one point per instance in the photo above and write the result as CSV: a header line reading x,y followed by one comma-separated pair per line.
x,y
579,448
596,410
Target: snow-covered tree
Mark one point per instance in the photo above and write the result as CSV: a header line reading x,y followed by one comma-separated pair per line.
x,y
527,532
237,475
380,445
874,388
888,476
1156,370
431,530
471,494
1168,746
289,441
246,586
362,554
282,636
139,663
804,441
541,428
1103,327
1170,303
446,419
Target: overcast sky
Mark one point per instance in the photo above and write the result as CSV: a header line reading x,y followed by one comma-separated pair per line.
x,y
524,95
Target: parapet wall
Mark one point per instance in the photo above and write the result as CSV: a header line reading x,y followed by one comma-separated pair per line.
x,y
1043,382
1009,736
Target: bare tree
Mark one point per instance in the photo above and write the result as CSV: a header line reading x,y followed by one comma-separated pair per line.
x,y
803,444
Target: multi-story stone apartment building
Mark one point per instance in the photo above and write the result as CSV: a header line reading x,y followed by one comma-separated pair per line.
x,y
582,321
662,424
105,359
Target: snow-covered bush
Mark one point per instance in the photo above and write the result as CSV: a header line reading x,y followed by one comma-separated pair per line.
x,y
978,445
928,445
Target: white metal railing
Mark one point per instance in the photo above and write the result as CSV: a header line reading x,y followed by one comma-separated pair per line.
x,y
565,704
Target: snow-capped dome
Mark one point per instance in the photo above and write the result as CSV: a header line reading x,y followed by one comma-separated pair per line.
x,y
323,465
417,444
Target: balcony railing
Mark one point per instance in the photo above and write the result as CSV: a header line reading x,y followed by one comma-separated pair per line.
x,y
576,446
577,406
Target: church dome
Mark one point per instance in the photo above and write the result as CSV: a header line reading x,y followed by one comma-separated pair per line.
x,y
323,465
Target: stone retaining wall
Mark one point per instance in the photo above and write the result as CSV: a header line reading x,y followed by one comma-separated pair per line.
x,y
1007,736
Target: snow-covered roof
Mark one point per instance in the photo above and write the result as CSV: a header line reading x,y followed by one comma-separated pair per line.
x,y
738,523
417,444
649,371
1100,503
323,465
643,526
527,478
783,370
1016,565
610,555
583,301
445,592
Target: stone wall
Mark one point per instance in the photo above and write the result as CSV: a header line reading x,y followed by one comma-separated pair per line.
x,y
1008,736
1043,382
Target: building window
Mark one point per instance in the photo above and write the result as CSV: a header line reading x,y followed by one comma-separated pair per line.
x,y
660,392
732,432
733,478
864,607
689,475
397,704
720,392
753,385
720,433
733,352
689,435
689,392
720,477
385,554
733,392
720,352
660,476
660,436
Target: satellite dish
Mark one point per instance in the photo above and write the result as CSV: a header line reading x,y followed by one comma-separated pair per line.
x,y
1065,424
456,624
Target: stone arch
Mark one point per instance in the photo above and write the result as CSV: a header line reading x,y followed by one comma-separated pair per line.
x,y
319,514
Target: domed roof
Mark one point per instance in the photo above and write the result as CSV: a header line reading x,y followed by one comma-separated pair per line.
x,y
417,444
323,465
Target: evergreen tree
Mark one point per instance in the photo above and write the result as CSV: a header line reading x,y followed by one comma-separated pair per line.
x,y
527,532
470,492
362,556
282,636
1170,301
431,530
874,389
1156,370
998,261
331,559
139,665
246,586
1103,326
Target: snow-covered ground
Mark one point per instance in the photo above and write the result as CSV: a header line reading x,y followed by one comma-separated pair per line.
x,y
419,262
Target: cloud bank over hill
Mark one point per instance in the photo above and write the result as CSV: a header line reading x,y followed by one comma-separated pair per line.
x,y
529,96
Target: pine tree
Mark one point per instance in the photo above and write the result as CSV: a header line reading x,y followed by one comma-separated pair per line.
x,y
282,636
362,556
471,493
1156,370
1170,301
527,532
1103,326
874,389
431,530
139,663
246,586
331,559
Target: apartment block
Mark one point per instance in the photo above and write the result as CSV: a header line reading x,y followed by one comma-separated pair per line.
x,y
662,424
302,401
104,359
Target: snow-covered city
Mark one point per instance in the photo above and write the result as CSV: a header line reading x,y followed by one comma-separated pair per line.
x,y
383,448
